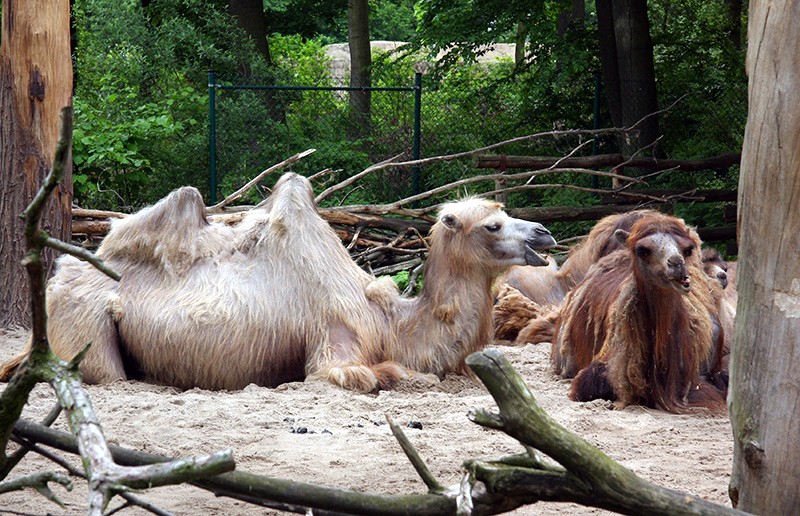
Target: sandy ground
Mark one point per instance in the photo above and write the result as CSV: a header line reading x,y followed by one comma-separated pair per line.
x,y
316,432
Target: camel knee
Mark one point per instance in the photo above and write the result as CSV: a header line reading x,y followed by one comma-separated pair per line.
x,y
592,384
352,377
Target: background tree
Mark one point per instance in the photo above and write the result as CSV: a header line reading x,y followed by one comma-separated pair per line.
x,y
764,391
36,74
360,63
626,63
734,22
249,16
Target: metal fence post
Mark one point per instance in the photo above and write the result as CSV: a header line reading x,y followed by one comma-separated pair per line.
x,y
417,116
596,124
212,135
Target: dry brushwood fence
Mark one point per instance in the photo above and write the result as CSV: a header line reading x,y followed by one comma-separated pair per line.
x,y
575,471
389,238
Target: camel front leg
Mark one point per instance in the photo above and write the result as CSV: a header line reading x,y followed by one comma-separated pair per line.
x,y
342,361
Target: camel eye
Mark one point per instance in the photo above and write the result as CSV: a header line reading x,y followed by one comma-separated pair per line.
x,y
642,252
688,251
493,228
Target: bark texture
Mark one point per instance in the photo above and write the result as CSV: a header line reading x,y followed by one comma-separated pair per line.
x,y
626,62
764,395
360,62
250,17
36,82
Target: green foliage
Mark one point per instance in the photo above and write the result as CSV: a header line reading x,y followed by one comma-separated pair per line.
x,y
308,19
697,62
461,28
402,278
392,20
142,104
117,140
326,21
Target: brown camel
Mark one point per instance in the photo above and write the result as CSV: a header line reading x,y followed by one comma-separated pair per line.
x,y
526,320
639,329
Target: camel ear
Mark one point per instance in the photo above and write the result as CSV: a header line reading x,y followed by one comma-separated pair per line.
x,y
450,221
622,235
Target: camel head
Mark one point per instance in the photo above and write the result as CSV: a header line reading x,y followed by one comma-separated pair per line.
x,y
477,231
715,266
663,249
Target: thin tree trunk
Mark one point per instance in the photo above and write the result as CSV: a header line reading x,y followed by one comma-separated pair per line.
x,y
575,14
636,70
360,62
735,21
36,79
249,16
520,44
764,393
607,47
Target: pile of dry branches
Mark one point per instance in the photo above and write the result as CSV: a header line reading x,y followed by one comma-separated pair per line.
x,y
388,238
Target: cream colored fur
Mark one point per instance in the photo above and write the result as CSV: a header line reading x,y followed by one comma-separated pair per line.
x,y
275,298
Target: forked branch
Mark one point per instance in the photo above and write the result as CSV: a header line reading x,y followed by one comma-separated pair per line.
x,y
106,478
589,477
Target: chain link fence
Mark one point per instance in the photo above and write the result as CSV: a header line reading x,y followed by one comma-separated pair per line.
x,y
255,126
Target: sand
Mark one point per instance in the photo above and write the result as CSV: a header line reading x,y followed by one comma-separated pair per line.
x,y
315,432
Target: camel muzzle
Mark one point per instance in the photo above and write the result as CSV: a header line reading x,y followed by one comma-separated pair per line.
x,y
539,239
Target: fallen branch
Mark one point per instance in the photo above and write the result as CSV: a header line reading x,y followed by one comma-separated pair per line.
x,y
257,488
129,498
413,456
606,160
586,475
40,482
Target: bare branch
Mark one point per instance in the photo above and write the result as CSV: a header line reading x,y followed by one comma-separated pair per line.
x,y
352,179
243,190
395,207
106,478
40,482
322,173
413,456
590,477
130,498
83,254
561,160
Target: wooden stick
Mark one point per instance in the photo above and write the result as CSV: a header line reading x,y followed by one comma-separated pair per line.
x,y
243,190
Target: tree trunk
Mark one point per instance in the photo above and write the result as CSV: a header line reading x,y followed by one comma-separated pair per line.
x,y
36,79
520,44
764,393
735,22
568,17
360,62
637,79
249,16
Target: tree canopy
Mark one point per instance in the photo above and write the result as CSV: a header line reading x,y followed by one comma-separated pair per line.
x,y
142,104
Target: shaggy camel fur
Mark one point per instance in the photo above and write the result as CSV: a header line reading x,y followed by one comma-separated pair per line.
x,y
520,320
716,267
549,285
525,320
529,299
639,328
277,298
